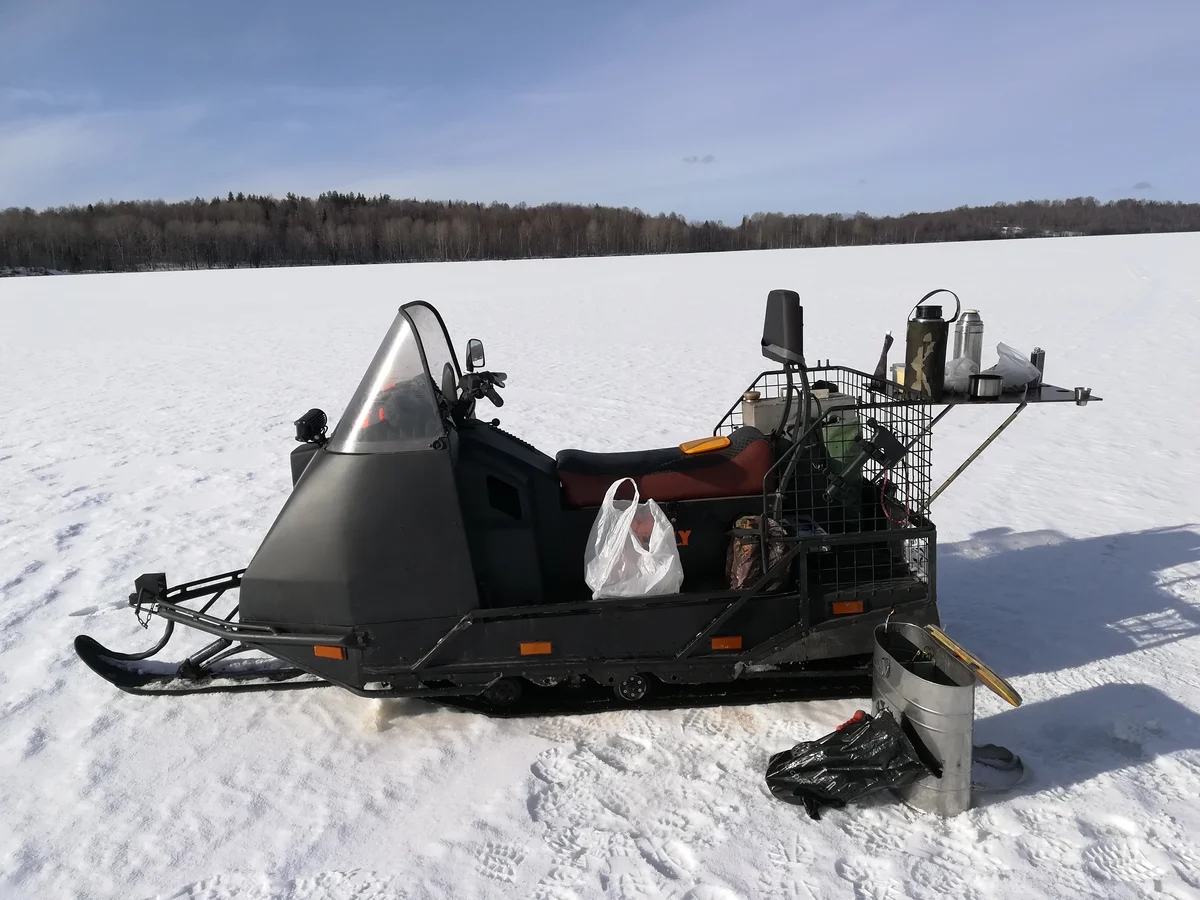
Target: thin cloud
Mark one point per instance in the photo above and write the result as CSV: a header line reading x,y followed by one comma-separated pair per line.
x,y
1143,186
705,160
38,153
36,98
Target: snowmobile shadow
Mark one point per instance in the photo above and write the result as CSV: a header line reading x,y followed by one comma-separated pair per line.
x,y
1040,601
1075,738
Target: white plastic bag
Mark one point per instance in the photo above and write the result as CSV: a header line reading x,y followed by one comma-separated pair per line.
x,y
619,563
1015,370
958,374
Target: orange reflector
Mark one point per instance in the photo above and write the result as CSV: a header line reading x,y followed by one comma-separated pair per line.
x,y
535,648
732,642
330,652
705,445
847,607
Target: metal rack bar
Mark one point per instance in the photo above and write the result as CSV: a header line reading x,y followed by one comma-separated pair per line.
x,y
970,459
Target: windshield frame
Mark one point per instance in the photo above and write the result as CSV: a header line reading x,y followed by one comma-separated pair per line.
x,y
445,335
426,422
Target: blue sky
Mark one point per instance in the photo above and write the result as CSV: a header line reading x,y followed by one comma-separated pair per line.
x,y
710,109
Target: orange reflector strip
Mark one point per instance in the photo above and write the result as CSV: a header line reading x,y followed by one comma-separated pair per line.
x,y
705,445
535,648
847,607
330,652
732,642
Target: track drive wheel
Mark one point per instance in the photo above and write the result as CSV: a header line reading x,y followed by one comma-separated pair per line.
x,y
503,693
633,688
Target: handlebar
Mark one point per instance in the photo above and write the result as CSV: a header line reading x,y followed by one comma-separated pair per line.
x,y
480,385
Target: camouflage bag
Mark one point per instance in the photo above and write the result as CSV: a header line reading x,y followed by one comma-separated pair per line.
x,y
743,559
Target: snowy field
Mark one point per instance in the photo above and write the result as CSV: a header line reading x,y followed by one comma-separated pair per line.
x,y
146,427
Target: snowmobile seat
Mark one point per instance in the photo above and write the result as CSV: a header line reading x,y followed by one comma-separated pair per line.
x,y
669,473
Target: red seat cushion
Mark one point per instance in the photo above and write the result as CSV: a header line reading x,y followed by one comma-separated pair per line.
x,y
668,474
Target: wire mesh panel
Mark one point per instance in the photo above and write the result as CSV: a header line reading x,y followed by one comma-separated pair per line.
x,y
844,492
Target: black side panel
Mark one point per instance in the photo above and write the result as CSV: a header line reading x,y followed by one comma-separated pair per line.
x,y
849,635
300,458
701,534
509,494
363,539
607,631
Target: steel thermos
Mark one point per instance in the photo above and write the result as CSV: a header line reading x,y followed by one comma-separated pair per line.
x,y
1038,358
926,346
968,338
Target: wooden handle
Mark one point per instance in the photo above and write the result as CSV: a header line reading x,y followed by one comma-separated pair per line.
x,y
994,682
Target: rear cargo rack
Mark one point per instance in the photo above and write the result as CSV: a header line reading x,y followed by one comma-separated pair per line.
x,y
876,544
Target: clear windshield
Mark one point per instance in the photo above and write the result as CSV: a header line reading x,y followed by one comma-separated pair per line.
x,y
393,408
438,352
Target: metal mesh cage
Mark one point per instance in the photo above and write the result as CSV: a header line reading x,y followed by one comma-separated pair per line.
x,y
862,523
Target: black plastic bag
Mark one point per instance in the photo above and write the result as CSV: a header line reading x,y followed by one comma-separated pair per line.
x,y
864,755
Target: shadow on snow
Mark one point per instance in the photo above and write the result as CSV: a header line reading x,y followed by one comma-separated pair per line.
x,y
1042,602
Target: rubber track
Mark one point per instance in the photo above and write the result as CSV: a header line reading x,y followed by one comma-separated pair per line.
x,y
563,700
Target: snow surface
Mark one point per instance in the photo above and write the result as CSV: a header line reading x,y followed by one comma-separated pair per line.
x,y
146,427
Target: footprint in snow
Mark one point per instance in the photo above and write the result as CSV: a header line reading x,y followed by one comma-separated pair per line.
x,y
557,884
34,744
499,862
871,879
1043,850
1120,859
30,569
709,892
62,540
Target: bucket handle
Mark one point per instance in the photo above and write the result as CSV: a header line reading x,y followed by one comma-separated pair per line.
x,y
957,302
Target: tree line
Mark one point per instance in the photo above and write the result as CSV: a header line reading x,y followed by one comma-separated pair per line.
x,y
338,228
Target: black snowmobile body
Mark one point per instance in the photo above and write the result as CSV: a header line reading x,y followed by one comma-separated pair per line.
x,y
425,552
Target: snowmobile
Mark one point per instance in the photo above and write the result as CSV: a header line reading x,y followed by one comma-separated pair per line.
x,y
424,552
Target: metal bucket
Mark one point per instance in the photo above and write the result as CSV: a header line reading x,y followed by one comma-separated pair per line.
x,y
932,695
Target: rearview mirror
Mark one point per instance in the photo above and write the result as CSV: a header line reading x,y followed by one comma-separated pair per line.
x,y
475,358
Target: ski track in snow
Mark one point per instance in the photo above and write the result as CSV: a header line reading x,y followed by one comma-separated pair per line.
x,y
147,426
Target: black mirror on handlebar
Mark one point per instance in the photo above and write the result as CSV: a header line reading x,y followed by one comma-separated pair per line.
x,y
475,357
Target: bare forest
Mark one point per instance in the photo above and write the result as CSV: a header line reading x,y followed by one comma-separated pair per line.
x,y
336,228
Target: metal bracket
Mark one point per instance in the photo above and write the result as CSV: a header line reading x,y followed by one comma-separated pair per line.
x,y
970,459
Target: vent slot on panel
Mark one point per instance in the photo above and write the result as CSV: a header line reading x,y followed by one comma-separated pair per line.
x,y
503,497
